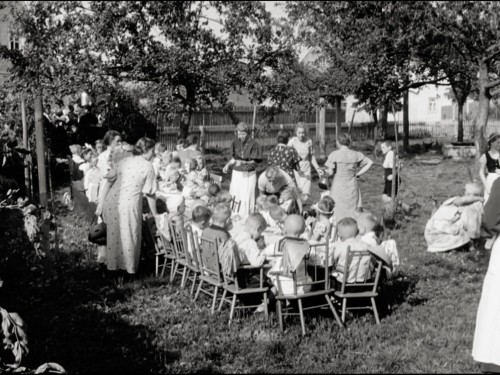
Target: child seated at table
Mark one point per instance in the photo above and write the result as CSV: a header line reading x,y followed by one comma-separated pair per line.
x,y
159,149
322,227
216,195
278,215
246,240
294,249
347,231
175,207
200,220
221,224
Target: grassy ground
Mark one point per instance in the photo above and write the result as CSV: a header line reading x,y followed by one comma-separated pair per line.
x,y
89,324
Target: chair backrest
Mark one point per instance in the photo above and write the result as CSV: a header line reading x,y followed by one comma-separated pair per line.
x,y
318,268
229,250
158,243
235,204
179,239
210,258
359,271
299,275
193,244
215,179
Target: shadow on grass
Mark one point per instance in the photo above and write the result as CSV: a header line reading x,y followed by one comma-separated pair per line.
x,y
67,305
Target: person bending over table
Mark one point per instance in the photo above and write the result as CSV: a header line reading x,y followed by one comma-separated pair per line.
x,y
246,155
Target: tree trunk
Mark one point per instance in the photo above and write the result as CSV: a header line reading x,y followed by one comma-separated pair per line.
x,y
40,152
483,110
382,123
375,127
322,127
338,118
406,122
184,125
460,130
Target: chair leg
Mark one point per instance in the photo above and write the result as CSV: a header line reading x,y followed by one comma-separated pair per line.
x,y
333,310
173,270
266,306
375,312
193,285
185,273
215,299
157,263
198,291
233,305
280,315
302,322
222,300
165,265
344,308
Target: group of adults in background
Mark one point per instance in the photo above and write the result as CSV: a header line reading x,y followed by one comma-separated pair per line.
x,y
293,161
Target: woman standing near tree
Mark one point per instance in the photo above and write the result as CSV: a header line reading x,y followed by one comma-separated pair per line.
x,y
489,164
122,207
246,155
346,165
305,149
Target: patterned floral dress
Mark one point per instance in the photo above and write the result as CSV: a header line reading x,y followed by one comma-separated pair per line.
x,y
284,157
122,212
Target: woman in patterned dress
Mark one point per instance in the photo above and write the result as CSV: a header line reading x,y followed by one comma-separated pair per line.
x,y
304,147
283,156
122,207
347,165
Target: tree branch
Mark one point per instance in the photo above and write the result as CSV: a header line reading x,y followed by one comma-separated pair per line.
x,y
493,84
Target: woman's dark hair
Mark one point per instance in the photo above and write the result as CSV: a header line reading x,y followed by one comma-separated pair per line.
x,y
192,139
143,145
110,136
344,139
493,137
283,136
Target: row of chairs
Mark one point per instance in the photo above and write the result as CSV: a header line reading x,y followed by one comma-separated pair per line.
x,y
202,266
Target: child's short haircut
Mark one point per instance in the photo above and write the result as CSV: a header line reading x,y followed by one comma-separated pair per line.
x,y
347,227
367,223
256,220
75,149
387,143
272,199
379,231
326,206
173,202
221,212
474,188
176,159
213,190
294,225
201,214
329,199
277,212
86,152
181,141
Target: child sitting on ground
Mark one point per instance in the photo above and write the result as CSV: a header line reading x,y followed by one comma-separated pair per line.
x,y
347,231
293,249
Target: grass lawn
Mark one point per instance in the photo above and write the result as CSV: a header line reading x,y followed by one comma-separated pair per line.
x,y
89,324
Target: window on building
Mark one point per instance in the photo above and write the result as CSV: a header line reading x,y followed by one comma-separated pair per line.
x,y
14,42
432,104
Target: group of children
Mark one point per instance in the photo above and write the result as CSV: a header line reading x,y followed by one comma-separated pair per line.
x,y
287,254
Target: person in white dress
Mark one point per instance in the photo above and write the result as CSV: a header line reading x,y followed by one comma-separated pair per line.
x,y
486,346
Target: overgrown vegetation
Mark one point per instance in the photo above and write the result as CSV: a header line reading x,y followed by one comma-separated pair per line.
x,y
89,324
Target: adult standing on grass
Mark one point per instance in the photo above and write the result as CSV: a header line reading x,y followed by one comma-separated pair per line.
x,y
489,164
346,165
486,346
122,207
283,156
246,155
305,149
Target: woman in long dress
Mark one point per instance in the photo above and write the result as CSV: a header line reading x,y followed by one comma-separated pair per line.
x,y
246,155
346,165
304,147
486,346
284,156
489,164
122,207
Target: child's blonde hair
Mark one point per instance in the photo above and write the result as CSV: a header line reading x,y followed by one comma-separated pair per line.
x,y
474,189
277,213
347,228
221,213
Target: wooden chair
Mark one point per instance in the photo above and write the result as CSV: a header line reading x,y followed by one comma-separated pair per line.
x,y
231,285
194,256
319,293
163,249
183,258
210,270
359,281
215,179
235,204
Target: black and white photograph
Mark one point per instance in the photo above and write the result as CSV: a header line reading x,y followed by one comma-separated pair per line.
x,y
249,187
